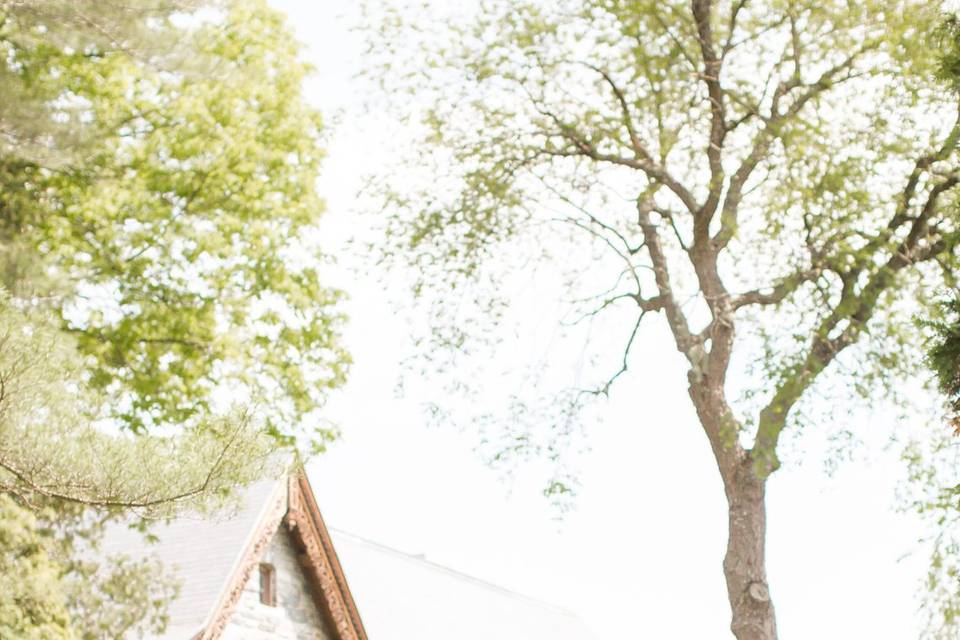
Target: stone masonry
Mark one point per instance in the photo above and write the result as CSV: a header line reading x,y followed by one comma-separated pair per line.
x,y
295,617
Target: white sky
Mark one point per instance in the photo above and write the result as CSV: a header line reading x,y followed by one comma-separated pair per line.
x,y
640,557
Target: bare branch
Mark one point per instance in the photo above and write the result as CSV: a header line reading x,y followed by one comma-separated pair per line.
x,y
596,234
735,10
642,160
665,26
712,67
605,389
646,306
778,292
631,250
686,343
603,306
670,218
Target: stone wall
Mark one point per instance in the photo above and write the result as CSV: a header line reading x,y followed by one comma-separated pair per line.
x,y
295,617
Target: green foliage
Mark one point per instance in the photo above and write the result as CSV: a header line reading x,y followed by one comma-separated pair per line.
x,y
32,602
51,446
944,352
176,214
944,357
949,40
57,583
934,491
936,467
119,597
163,325
42,39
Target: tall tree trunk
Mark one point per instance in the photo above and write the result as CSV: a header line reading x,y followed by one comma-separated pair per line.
x,y
745,562
744,565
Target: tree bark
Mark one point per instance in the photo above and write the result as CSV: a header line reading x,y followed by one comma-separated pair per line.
x,y
744,565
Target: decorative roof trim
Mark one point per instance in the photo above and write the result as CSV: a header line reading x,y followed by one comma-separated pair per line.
x,y
320,559
256,546
294,505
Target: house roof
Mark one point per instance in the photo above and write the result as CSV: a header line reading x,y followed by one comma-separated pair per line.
x,y
214,556
402,597
203,551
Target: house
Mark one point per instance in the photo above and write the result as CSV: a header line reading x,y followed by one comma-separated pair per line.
x,y
268,570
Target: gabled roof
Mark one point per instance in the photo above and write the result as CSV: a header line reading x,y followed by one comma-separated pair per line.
x,y
404,597
214,556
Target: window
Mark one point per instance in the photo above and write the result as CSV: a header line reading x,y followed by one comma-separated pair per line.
x,y
268,584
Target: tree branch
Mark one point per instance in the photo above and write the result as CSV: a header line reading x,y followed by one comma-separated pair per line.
x,y
686,343
712,67
605,389
639,149
735,10
764,139
778,292
110,497
652,170
855,309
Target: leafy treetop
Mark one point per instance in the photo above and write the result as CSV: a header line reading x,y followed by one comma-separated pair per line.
x,y
176,216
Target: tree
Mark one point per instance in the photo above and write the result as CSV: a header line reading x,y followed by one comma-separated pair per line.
x,y
31,600
775,180
935,467
945,358
944,354
51,447
52,593
163,327
173,204
152,208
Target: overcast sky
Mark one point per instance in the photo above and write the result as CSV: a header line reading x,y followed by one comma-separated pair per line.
x,y
640,556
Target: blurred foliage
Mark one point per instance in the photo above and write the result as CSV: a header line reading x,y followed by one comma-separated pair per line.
x,y
52,447
935,466
171,196
163,325
949,45
32,602
944,356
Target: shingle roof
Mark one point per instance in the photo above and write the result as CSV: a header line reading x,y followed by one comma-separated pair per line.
x,y
399,596
203,552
